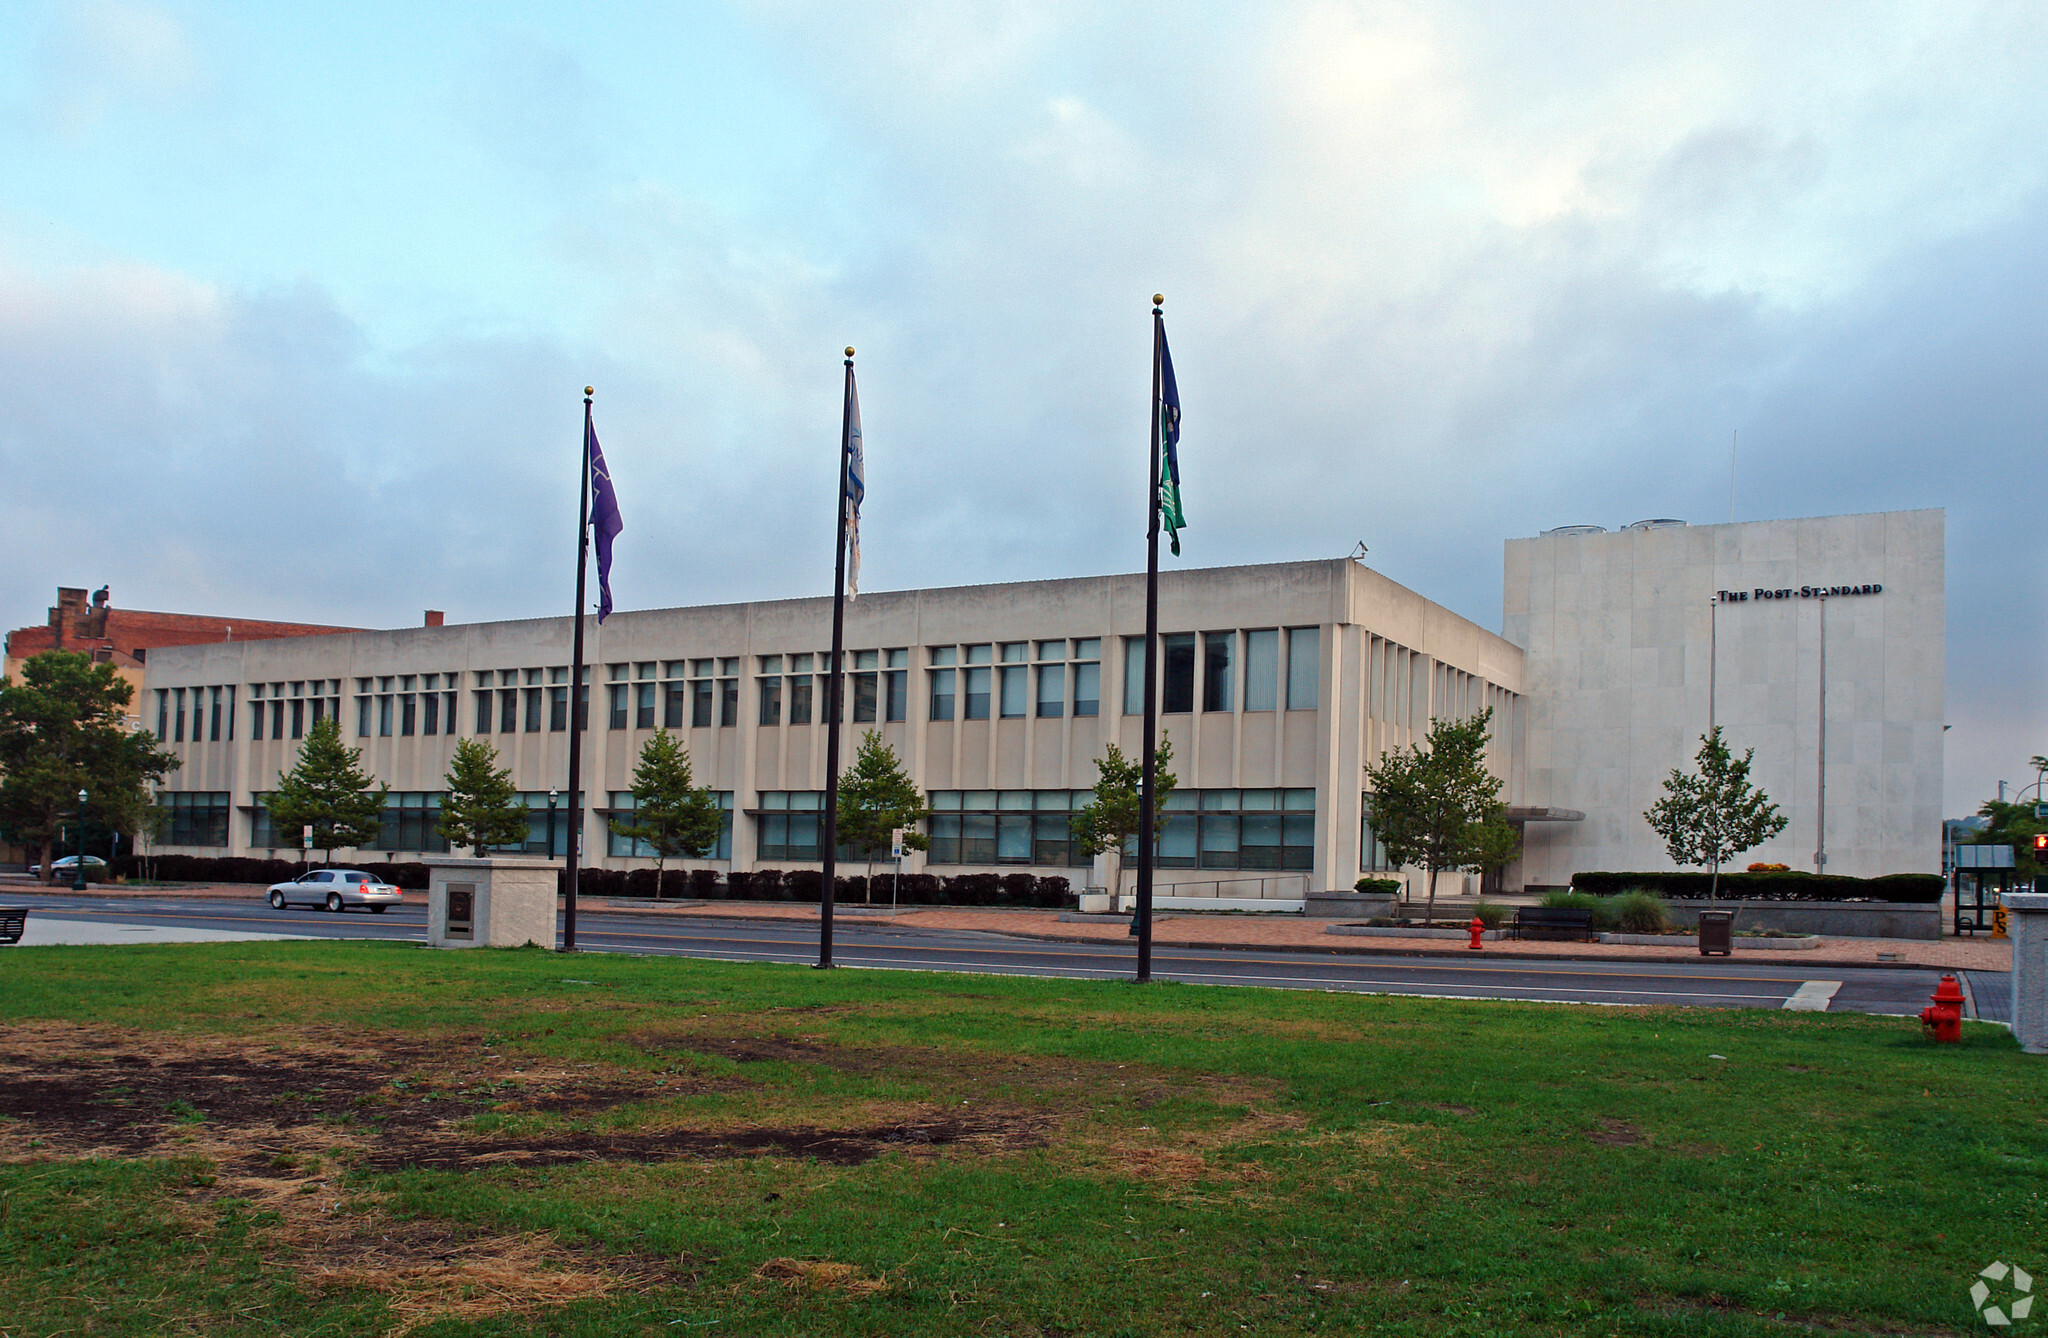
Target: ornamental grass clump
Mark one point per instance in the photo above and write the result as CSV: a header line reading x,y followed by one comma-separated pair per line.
x,y
1601,908
1640,912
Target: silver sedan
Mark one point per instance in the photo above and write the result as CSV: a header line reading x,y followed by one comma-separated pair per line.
x,y
336,889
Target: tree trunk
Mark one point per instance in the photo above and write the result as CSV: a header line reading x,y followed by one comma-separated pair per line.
x,y
49,869
1714,887
1429,916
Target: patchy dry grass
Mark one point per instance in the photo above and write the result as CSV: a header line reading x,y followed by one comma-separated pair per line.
x,y
190,1141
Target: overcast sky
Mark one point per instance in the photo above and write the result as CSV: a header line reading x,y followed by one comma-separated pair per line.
x,y
297,302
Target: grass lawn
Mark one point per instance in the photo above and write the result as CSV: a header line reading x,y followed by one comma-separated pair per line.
x,y
351,1138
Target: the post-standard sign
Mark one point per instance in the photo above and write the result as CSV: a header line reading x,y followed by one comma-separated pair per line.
x,y
1799,592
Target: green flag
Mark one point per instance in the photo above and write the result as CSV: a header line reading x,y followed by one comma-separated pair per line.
x,y
1168,427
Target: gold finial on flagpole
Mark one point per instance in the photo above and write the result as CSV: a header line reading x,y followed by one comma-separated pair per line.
x,y
590,390
1159,299
849,350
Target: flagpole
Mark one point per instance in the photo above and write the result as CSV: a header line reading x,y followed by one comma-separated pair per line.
x,y
829,838
570,860
1141,916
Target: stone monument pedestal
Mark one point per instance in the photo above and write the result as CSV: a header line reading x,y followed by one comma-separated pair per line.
x,y
500,902
2027,923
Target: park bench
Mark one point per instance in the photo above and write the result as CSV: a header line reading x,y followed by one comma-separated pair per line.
x,y
1552,922
13,919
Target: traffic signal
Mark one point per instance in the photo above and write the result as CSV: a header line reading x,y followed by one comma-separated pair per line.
x,y
2041,845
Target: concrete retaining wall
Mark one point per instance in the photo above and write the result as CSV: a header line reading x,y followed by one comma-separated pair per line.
x,y
1833,919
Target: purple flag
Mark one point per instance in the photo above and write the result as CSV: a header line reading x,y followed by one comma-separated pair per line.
x,y
604,518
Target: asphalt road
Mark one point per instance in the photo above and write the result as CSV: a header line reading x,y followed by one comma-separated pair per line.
x,y
1721,983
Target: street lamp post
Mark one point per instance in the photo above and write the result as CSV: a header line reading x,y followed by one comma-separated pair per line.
x,y
553,797
78,873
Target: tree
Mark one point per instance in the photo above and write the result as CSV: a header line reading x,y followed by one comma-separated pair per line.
x,y
670,813
1110,819
328,789
482,807
875,798
1713,814
63,729
1436,805
2011,825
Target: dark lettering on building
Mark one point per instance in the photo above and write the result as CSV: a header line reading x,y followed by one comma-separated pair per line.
x,y
1800,592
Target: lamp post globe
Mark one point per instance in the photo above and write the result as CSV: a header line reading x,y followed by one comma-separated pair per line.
x,y
78,872
553,796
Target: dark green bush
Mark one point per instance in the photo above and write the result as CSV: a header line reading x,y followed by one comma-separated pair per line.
x,y
1640,912
1601,910
1390,886
1791,885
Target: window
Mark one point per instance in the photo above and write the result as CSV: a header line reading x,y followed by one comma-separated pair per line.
x,y
163,714
1015,689
622,808
362,718
533,708
1016,652
508,710
1237,829
1177,679
943,682
1087,676
483,712
408,715
1006,827
299,719
1261,669
231,710
789,824
729,701
1372,856
178,726
618,705
544,835
896,684
1134,675
675,696
770,692
866,684
799,690
408,823
214,726
643,705
558,708
700,704
199,818
1052,690
430,713
1304,667
1216,670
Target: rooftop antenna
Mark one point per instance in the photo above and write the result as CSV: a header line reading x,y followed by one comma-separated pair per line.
x,y
1734,438
1358,553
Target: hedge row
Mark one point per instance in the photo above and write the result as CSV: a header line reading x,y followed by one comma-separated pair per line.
x,y
913,889
916,889
1791,885
209,869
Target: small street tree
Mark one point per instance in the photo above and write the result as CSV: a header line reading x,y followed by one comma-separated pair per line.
x,y
670,813
876,797
64,728
482,807
1436,806
1713,814
328,789
1110,819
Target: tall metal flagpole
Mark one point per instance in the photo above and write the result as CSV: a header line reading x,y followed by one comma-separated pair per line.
x,y
570,862
829,838
1141,917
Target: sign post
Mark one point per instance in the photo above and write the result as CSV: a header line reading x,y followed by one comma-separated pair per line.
x,y
305,847
895,853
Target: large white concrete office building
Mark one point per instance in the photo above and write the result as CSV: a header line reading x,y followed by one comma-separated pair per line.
x,y
1278,684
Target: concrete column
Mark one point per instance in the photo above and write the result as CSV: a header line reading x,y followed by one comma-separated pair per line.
x,y
2027,923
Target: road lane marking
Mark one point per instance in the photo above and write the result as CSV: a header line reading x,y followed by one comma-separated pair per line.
x,y
1813,997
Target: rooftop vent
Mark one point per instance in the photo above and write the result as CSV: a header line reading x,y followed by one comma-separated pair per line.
x,y
1575,529
1656,525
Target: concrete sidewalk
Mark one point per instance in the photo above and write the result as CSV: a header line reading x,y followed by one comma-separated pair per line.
x,y
46,931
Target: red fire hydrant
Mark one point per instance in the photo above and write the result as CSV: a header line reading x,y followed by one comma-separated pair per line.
x,y
1944,1021
1478,931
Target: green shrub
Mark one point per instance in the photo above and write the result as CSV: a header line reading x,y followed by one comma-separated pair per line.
x,y
1490,915
1602,908
1389,886
1640,912
1792,885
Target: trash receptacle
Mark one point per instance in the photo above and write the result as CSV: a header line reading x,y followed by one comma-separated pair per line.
x,y
1717,933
